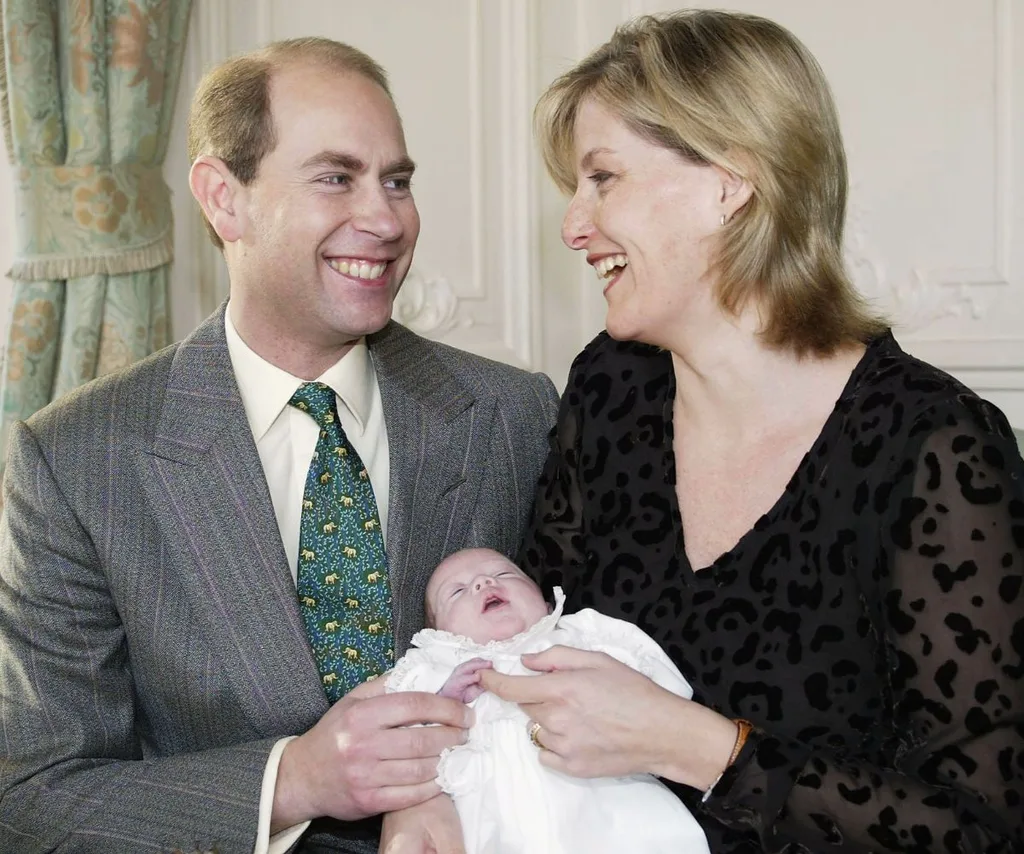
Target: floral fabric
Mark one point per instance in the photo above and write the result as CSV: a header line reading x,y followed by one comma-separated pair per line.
x,y
87,91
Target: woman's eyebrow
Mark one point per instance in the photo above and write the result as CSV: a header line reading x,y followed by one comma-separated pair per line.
x,y
587,161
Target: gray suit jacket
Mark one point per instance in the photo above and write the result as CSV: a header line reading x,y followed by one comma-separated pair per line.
x,y
151,648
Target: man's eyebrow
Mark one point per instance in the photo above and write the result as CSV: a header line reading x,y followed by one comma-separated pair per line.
x,y
402,166
351,163
587,162
335,160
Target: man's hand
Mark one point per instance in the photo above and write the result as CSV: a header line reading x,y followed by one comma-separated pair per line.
x,y
365,756
432,827
464,683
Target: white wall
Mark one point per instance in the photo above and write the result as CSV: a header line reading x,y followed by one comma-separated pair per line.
x,y
931,95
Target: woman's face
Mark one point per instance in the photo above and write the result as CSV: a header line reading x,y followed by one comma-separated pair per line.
x,y
646,218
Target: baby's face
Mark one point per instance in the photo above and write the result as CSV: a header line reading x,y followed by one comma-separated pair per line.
x,y
484,596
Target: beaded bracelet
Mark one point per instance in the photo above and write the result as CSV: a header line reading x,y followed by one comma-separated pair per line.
x,y
743,730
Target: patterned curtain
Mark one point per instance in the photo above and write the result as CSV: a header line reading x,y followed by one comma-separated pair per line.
x,y
87,90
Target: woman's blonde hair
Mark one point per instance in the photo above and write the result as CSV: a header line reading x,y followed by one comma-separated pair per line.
x,y
740,92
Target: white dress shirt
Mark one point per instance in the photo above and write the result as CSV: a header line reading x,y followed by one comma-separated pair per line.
x,y
285,439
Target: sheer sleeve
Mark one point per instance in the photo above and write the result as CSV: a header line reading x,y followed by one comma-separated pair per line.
x,y
552,550
949,616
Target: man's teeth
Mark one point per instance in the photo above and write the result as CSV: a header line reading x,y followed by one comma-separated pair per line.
x,y
359,269
605,266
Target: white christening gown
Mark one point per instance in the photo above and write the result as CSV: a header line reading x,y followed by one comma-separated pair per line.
x,y
507,801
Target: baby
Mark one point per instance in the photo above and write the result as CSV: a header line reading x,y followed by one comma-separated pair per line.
x,y
483,611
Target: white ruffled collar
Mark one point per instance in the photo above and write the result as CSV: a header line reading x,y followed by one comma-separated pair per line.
x,y
509,646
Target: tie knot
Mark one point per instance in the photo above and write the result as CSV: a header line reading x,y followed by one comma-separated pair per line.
x,y
317,400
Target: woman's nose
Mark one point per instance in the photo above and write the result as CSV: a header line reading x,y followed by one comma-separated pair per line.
x,y
576,224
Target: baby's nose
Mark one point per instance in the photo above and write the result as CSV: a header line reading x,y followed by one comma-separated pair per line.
x,y
483,581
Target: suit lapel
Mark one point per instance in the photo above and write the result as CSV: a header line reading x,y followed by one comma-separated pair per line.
x,y
209,494
437,433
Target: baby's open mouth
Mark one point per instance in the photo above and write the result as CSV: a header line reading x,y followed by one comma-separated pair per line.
x,y
493,601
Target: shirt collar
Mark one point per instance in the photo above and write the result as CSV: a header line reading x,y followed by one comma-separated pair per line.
x,y
266,388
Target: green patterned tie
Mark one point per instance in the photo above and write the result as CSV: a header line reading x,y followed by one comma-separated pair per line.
x,y
342,578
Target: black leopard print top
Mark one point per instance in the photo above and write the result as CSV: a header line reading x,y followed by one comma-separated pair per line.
x,y
871,624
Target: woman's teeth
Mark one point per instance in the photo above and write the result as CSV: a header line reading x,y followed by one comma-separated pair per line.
x,y
605,266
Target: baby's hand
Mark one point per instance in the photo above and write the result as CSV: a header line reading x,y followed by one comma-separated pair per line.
x,y
464,683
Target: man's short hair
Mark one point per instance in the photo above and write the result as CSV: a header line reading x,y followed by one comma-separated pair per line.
x,y
230,117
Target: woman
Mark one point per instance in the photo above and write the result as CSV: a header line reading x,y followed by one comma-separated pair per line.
x,y
825,534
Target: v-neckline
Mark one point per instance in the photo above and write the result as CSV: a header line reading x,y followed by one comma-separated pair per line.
x,y
828,428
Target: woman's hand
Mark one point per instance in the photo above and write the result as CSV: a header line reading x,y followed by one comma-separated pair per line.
x,y
600,718
431,827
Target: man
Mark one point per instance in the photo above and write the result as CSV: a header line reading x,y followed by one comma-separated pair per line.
x,y
162,682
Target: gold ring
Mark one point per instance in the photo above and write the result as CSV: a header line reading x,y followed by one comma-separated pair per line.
x,y
534,729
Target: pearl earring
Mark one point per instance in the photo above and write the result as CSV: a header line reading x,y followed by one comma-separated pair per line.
x,y
722,220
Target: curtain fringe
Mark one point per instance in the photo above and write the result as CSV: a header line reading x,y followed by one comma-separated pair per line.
x,y
155,254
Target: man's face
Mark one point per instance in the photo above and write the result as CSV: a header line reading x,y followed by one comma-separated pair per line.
x,y
329,224
483,596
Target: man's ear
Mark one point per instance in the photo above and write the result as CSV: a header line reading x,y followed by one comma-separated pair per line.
x,y
220,195
735,191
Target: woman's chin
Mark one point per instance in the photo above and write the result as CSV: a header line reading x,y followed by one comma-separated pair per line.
x,y
617,329
623,329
